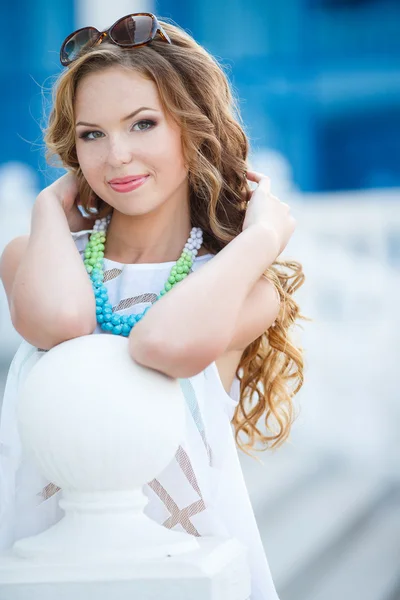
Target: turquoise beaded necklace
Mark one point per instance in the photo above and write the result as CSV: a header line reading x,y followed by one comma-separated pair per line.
x,y
94,263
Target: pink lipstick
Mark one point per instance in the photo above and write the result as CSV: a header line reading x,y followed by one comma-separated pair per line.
x,y
129,183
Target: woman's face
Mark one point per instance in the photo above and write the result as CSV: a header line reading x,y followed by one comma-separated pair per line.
x,y
123,132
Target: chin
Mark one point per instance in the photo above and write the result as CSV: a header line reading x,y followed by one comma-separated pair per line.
x,y
130,209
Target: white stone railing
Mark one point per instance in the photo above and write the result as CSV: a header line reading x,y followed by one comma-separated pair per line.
x,y
347,244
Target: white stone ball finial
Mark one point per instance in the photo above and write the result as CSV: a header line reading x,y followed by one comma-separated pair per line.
x,y
100,426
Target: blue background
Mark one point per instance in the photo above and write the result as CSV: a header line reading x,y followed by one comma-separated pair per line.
x,y
318,80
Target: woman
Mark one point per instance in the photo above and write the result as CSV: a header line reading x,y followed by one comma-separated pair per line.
x,y
144,121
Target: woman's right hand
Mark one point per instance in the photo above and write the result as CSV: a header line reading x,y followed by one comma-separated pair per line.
x,y
65,191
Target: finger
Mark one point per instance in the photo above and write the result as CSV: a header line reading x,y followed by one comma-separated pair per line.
x,y
254,176
259,178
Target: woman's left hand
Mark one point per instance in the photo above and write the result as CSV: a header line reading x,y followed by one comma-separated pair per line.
x,y
265,208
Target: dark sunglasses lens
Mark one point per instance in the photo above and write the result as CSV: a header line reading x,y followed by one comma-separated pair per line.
x,y
132,30
79,42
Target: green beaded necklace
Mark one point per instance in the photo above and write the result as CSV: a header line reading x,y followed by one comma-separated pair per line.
x,y
94,263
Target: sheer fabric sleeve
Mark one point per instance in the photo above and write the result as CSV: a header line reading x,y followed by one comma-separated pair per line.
x,y
23,511
232,502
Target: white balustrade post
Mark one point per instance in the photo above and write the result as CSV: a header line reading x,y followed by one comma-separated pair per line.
x,y
99,426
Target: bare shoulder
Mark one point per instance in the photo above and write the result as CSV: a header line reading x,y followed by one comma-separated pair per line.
x,y
10,260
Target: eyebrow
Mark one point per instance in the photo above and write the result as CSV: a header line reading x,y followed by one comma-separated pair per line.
x,y
130,116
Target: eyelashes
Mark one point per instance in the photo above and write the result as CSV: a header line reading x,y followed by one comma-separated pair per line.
x,y
89,136
149,122
85,135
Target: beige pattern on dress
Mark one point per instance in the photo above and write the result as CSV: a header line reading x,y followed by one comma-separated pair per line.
x,y
181,515
128,302
49,491
111,274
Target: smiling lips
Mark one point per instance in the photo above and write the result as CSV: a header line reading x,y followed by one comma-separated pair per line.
x,y
127,184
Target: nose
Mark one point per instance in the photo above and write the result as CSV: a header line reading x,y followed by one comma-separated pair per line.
x,y
120,151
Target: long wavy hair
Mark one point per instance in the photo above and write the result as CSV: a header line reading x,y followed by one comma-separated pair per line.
x,y
195,92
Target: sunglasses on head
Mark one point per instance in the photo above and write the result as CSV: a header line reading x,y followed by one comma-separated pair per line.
x,y
128,32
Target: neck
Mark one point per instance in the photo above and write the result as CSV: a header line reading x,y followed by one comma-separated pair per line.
x,y
148,238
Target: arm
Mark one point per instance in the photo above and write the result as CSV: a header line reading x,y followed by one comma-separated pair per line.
x,y
48,289
202,317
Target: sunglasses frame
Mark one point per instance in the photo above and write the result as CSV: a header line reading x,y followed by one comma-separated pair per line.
x,y
155,28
